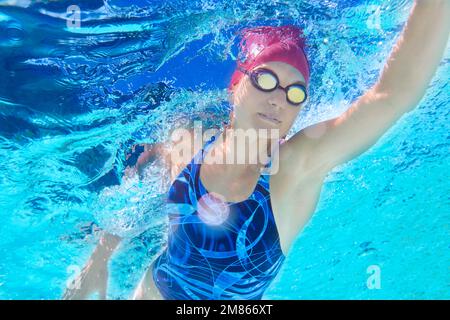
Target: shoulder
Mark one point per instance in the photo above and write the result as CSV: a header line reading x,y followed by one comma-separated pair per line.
x,y
181,148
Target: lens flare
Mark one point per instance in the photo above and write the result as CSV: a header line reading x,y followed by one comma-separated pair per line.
x,y
212,209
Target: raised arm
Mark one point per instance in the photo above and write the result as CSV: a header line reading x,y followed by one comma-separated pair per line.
x,y
401,85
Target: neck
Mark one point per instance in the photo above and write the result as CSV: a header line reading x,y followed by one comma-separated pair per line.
x,y
243,154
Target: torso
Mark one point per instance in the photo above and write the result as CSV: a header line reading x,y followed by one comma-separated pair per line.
x,y
217,248
293,196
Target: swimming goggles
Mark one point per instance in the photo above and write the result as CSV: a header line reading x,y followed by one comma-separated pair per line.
x,y
266,80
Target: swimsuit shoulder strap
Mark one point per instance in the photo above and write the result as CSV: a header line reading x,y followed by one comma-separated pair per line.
x,y
208,143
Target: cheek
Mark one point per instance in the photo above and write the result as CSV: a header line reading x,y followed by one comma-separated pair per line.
x,y
247,99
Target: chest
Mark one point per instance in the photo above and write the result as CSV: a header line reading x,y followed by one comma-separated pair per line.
x,y
293,198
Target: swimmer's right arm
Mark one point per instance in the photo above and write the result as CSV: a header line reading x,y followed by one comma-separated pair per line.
x,y
163,151
94,276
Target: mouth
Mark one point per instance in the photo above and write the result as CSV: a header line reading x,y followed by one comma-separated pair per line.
x,y
268,118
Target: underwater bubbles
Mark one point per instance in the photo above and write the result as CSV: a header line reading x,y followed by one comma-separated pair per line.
x,y
129,209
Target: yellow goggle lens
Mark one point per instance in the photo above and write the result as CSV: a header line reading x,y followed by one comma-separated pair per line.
x,y
296,95
267,81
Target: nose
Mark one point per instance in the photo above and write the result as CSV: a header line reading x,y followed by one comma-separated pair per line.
x,y
277,98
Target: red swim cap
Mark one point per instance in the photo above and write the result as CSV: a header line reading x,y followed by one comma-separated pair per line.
x,y
266,43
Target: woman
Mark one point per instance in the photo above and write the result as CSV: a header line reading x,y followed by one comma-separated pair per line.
x,y
229,236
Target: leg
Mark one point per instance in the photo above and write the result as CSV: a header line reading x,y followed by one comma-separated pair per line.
x,y
147,290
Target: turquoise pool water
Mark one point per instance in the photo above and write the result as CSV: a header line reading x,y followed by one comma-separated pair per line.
x,y
74,100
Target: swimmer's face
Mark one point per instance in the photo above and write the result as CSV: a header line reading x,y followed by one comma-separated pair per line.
x,y
253,107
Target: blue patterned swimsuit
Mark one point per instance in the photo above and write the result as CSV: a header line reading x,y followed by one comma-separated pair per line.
x,y
217,250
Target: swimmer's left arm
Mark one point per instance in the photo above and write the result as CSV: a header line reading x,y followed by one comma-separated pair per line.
x,y
401,86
